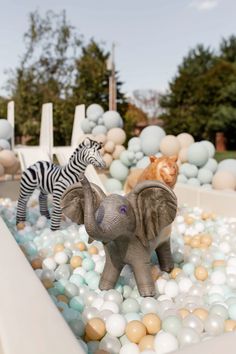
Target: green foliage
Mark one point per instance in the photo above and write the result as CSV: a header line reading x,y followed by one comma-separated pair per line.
x,y
202,96
57,68
3,107
92,79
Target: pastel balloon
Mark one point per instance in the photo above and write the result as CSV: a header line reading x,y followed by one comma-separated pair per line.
x,y
117,135
111,119
6,130
170,145
7,158
99,129
4,144
222,180
185,139
198,154
118,170
94,111
210,147
113,185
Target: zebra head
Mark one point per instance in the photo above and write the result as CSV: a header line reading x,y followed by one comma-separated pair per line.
x,y
91,153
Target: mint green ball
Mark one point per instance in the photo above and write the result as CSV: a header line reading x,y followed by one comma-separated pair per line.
x,y
77,279
172,324
210,147
130,305
93,282
88,264
77,303
89,275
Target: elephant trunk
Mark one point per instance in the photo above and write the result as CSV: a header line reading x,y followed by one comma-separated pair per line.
x,y
90,221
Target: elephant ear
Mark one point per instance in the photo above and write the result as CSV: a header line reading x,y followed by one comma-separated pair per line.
x,y
155,207
72,201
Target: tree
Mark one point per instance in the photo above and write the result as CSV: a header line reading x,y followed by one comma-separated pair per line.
x,y
45,74
148,102
202,97
92,78
132,117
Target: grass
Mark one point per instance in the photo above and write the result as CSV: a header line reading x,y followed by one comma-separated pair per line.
x,y
219,156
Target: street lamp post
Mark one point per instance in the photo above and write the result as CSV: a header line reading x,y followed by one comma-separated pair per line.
x,y
112,80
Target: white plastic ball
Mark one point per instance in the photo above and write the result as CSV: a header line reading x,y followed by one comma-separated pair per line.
x,y
185,139
198,154
118,170
94,111
6,130
218,277
117,135
115,325
4,144
99,129
49,263
111,119
165,342
170,145
85,126
109,305
185,285
222,180
61,258
113,185
210,147
204,176
171,289
129,348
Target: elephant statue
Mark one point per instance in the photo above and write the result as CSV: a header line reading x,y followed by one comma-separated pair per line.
x,y
130,227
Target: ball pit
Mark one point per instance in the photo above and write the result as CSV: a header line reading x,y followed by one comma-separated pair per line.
x,y
196,299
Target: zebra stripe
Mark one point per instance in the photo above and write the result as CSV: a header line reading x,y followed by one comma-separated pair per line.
x,y
53,179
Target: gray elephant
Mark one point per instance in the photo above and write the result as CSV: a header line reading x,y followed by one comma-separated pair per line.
x,y
130,227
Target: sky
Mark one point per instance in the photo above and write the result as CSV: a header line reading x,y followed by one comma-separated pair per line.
x,y
151,36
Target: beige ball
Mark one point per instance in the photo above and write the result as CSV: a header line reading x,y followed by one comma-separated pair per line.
x,y
13,169
117,135
1,170
170,145
108,159
118,150
185,139
223,180
7,158
100,138
109,146
183,155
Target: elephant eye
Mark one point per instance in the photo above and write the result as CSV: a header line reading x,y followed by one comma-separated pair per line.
x,y
123,209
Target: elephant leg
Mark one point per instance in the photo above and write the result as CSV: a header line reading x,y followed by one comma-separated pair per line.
x,y
112,269
165,257
143,277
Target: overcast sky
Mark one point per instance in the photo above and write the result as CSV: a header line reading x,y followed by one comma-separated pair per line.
x,y
151,36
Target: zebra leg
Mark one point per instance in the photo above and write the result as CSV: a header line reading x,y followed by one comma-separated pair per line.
x,y
21,206
56,213
43,205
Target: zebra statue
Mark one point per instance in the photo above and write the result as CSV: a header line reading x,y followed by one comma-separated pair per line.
x,y
53,179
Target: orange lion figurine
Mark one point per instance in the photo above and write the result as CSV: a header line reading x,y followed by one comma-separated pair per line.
x,y
163,169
